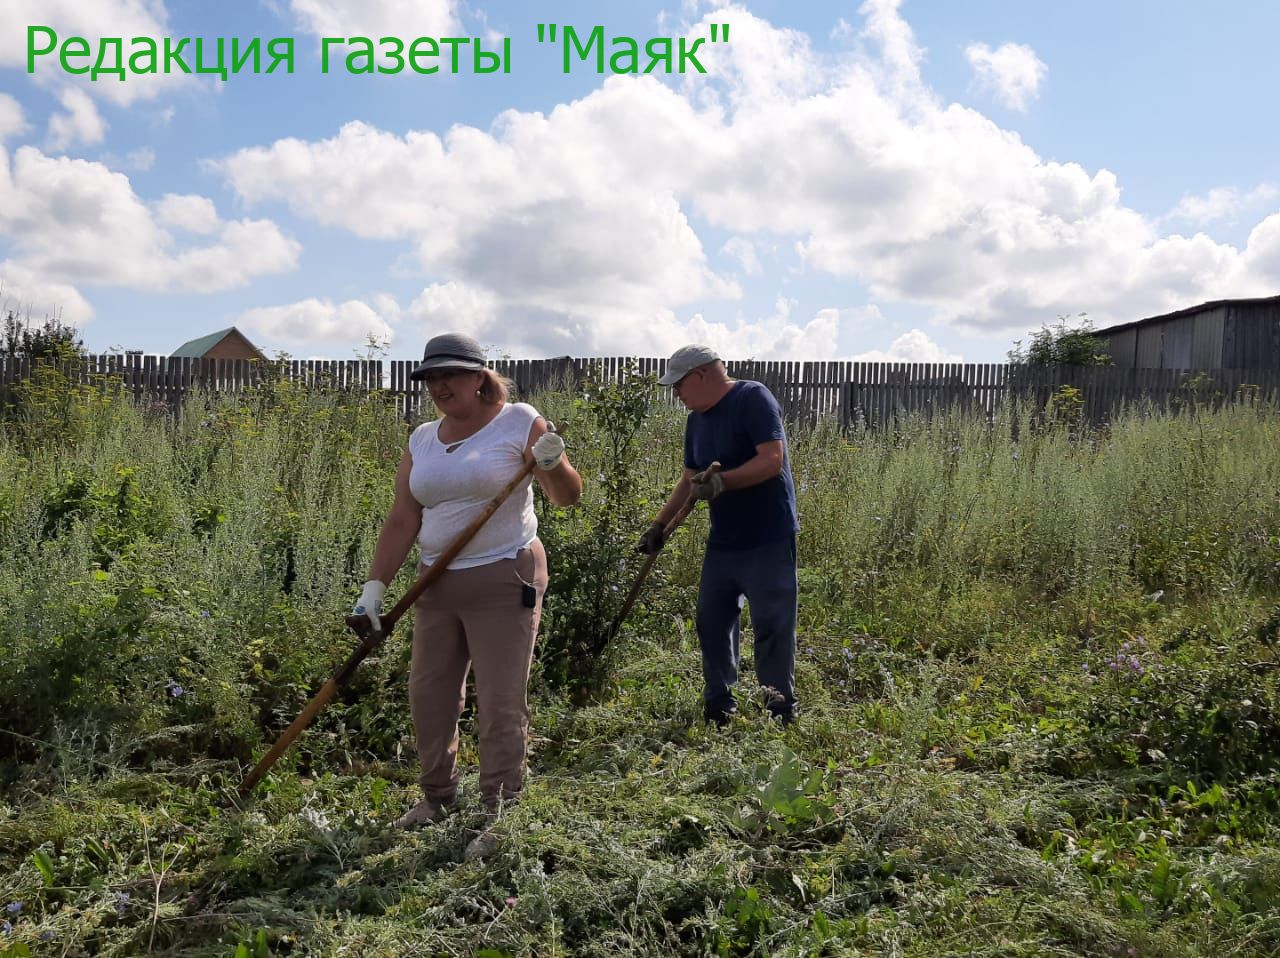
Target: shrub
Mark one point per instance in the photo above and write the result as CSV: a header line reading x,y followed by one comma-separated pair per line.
x,y
589,549
1063,345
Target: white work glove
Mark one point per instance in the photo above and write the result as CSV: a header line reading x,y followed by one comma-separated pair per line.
x,y
370,603
548,450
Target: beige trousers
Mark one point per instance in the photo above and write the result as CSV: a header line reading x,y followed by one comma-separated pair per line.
x,y
475,618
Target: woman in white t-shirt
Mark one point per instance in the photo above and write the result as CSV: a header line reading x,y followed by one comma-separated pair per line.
x,y
483,612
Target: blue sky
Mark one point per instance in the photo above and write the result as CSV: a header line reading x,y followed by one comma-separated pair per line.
x,y
924,180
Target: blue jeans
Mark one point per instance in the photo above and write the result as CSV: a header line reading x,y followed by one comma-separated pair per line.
x,y
765,576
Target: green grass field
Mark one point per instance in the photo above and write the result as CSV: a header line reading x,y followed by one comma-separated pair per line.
x,y
1037,665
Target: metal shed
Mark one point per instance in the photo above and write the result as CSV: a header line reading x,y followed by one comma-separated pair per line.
x,y
1224,334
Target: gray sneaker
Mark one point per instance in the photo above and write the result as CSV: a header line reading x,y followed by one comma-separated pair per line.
x,y
424,813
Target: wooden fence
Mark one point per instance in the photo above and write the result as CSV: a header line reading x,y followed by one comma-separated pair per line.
x,y
855,394
167,379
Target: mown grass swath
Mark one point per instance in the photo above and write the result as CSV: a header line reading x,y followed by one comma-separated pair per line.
x,y
1038,668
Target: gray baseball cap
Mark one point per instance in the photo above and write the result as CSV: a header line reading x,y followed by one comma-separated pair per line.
x,y
450,351
684,361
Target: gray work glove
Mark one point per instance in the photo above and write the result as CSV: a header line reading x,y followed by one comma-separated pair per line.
x,y
708,488
370,603
652,541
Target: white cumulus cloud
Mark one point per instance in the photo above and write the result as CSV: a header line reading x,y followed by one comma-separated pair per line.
x,y
407,19
777,337
73,221
195,214
29,294
744,252
80,123
12,121
1222,202
312,322
1012,72
581,229
93,20
506,211
139,160
914,346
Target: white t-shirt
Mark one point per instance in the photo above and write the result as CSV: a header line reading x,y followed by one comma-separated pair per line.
x,y
455,481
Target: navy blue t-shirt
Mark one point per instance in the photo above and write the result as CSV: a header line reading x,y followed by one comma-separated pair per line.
x,y
729,432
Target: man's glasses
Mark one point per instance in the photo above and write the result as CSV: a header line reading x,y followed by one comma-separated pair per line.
x,y
685,378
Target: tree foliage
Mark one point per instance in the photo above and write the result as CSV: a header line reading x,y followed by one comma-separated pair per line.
x,y
53,340
1063,344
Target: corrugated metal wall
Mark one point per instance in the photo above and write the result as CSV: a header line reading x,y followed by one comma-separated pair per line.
x,y
1123,345
1230,336
1176,343
1251,336
1206,342
1150,346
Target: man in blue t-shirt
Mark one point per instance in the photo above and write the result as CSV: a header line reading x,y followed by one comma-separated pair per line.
x,y
751,552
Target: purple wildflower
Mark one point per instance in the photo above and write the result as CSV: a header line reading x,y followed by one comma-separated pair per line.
x,y
14,908
174,689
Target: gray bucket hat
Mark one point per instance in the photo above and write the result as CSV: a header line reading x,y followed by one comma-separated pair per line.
x,y
684,361
450,351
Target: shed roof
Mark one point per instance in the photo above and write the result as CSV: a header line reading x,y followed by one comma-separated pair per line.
x,y
1189,311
